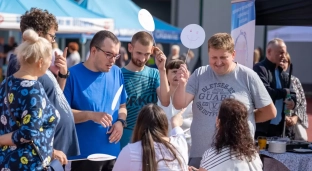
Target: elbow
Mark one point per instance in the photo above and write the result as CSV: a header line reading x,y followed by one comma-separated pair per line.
x,y
166,103
177,106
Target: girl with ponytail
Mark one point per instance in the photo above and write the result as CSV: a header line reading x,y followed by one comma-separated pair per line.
x,y
151,148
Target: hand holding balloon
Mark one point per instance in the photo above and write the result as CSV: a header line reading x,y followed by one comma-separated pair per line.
x,y
160,58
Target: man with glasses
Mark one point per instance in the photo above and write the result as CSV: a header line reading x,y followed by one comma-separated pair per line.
x,y
143,84
45,24
96,93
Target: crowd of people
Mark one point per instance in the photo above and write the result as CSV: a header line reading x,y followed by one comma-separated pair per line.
x,y
162,118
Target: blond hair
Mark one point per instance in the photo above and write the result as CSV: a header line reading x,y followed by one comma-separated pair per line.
x,y
33,48
221,41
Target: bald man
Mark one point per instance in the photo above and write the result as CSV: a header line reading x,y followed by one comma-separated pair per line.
x,y
275,81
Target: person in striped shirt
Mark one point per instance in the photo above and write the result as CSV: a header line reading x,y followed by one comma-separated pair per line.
x,y
233,147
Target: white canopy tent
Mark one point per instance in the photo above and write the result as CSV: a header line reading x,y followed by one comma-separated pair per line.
x,y
291,34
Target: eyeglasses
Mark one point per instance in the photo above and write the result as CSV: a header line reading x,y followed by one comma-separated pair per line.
x,y
108,54
284,61
52,36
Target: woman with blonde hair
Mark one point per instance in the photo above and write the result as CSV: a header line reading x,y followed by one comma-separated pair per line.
x,y
28,119
151,148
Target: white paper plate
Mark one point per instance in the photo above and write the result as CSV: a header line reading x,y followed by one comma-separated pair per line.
x,y
100,157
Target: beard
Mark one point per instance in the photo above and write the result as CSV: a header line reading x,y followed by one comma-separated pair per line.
x,y
138,63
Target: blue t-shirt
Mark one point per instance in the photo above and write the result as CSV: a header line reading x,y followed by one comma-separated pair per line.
x,y
65,137
95,91
141,89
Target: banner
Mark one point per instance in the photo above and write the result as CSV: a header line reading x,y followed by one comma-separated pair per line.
x,y
243,30
65,24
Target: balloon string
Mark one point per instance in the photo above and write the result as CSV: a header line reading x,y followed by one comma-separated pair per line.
x,y
188,51
153,38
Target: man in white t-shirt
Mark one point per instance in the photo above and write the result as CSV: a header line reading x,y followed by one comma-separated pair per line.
x,y
209,85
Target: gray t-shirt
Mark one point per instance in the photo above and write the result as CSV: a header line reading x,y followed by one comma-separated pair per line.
x,y
210,89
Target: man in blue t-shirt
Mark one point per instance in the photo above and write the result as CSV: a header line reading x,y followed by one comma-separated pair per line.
x,y
143,84
65,137
96,93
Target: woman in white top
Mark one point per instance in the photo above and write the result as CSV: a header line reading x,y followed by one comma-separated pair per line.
x,y
151,148
233,148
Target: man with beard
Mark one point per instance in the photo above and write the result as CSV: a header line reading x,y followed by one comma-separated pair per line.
x,y
143,84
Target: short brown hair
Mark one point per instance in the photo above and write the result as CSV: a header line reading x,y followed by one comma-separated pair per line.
x,y
143,37
73,46
39,20
174,64
100,36
221,41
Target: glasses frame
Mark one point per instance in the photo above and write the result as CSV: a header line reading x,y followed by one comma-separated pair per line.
x,y
52,36
107,54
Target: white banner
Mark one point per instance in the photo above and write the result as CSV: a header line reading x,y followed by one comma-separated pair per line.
x,y
65,24
243,30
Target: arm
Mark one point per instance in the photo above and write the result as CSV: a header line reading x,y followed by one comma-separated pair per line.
x,y
163,90
122,112
265,113
6,139
81,116
275,93
265,108
32,117
61,64
99,117
181,99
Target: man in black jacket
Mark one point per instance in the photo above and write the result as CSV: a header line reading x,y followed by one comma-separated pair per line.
x,y
276,82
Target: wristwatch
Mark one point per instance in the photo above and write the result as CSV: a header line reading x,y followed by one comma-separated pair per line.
x,y
63,76
123,122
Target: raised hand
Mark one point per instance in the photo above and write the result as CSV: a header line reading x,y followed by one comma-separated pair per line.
x,y
183,74
160,58
60,62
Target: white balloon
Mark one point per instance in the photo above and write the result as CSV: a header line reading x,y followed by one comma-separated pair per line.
x,y
116,98
146,20
193,36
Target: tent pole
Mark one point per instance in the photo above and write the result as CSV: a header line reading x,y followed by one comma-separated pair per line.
x,y
199,61
265,35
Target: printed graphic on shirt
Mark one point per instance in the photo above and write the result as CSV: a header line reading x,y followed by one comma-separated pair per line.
x,y
211,96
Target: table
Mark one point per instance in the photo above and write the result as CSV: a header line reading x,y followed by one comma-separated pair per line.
x,y
292,161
